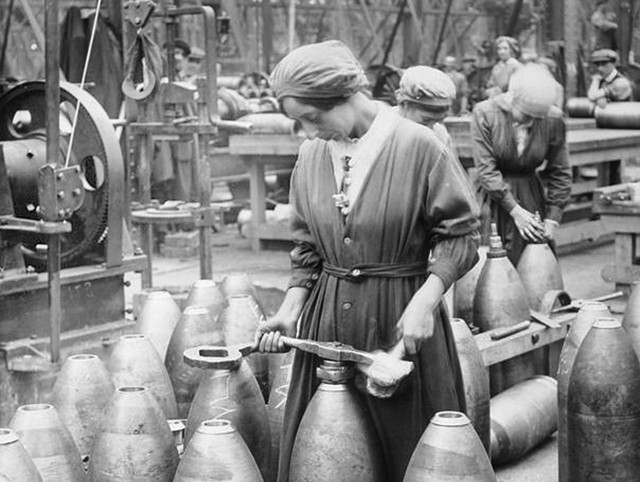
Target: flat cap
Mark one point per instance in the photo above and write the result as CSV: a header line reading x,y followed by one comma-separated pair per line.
x,y
179,44
604,55
196,53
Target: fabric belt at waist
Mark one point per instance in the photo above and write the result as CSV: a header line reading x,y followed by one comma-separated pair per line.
x,y
516,175
378,270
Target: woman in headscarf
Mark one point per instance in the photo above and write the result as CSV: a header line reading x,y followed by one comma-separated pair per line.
x,y
514,135
425,96
383,223
508,52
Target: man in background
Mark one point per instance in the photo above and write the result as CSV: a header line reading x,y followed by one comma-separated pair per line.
x,y
608,84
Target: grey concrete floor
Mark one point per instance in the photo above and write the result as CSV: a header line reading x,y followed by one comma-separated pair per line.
x,y
232,254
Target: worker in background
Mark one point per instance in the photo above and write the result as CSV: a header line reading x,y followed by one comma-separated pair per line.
x,y
181,51
175,158
166,159
530,56
508,52
608,85
425,96
515,134
193,67
605,22
460,103
476,78
485,53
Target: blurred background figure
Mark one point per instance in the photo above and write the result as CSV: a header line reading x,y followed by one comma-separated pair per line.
x,y
194,64
508,52
181,52
552,67
515,134
254,85
605,22
531,57
485,54
476,79
425,96
607,84
460,102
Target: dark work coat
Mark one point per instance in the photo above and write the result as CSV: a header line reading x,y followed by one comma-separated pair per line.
x,y
415,207
506,178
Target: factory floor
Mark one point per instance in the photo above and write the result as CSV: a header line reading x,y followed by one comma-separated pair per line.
x,y
270,269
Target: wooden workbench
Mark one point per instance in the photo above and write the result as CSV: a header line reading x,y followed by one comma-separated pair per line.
x,y
258,151
588,145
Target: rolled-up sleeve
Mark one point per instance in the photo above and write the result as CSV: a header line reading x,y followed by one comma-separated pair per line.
x,y
453,215
306,263
489,176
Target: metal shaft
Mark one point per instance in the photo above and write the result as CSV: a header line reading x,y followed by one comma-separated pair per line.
x,y
52,98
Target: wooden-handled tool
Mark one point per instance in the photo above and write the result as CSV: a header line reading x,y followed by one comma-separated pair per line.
x,y
501,333
384,371
577,304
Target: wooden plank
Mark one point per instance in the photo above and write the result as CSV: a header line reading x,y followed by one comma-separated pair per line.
x,y
88,302
264,145
601,139
583,187
624,255
77,274
621,223
624,277
581,234
88,339
577,211
536,336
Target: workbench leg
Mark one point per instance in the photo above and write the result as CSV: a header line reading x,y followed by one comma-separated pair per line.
x,y
624,257
258,196
146,232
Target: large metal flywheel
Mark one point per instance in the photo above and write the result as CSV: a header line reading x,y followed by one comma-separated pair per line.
x,y
23,116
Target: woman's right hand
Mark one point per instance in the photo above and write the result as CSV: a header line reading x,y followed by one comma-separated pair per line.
x,y
269,333
284,322
530,228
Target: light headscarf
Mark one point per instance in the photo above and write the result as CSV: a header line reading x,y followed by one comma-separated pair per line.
x,y
513,45
533,90
318,71
427,86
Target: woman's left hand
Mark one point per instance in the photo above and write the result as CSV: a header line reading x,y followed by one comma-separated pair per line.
x,y
417,326
417,321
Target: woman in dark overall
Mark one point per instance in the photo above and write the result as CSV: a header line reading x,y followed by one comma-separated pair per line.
x,y
383,222
522,163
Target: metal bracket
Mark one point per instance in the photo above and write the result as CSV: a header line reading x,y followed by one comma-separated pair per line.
x,y
138,12
60,192
205,217
14,224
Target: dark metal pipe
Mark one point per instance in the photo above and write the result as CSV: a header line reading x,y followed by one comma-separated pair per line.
x,y
396,25
513,21
52,92
443,27
52,100
55,308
